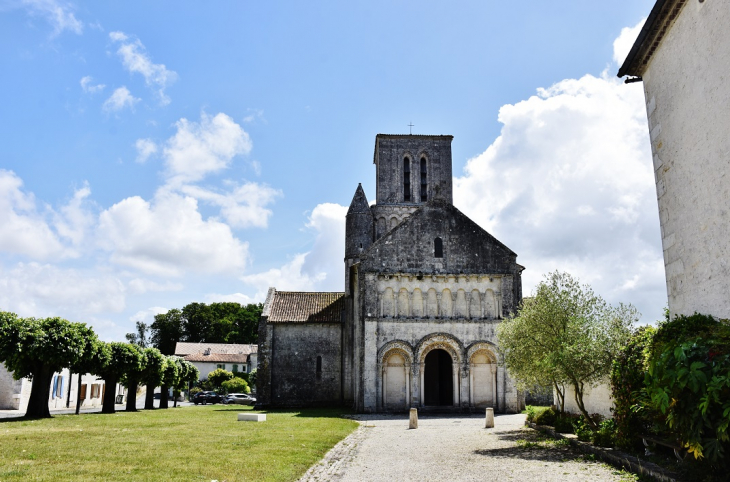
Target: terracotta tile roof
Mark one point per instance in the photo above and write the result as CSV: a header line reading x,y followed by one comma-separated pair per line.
x,y
217,358
301,307
183,348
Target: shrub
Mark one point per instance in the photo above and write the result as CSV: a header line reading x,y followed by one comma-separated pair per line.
x,y
627,383
235,385
582,429
546,417
218,376
564,423
688,382
194,390
531,413
605,436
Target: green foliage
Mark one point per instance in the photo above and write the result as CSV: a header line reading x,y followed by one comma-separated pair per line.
x,y
531,413
627,384
195,390
605,436
29,345
252,378
546,417
171,372
688,382
141,336
218,376
235,385
564,423
197,322
154,367
115,359
582,430
564,334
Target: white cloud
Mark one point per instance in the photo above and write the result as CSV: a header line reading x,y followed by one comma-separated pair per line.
x,y
145,149
622,45
321,269
24,231
230,298
198,149
139,286
57,13
148,315
568,185
90,88
243,207
33,289
121,98
75,219
169,237
135,60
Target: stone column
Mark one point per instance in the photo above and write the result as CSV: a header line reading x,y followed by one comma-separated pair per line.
x,y
493,368
453,303
379,303
438,303
410,303
423,387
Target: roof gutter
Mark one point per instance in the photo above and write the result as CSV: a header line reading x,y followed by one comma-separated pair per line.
x,y
637,47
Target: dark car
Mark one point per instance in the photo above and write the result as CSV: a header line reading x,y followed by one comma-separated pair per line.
x,y
206,397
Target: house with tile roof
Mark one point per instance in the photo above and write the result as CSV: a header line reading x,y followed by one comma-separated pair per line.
x,y
425,288
207,357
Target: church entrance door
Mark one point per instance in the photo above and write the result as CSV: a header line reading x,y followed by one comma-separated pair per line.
x,y
438,379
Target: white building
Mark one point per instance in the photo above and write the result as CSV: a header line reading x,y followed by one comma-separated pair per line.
x,y
683,57
207,357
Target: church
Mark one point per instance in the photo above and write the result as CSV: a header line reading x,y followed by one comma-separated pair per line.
x,y
425,289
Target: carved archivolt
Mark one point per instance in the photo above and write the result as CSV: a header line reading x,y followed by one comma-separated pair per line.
x,y
403,348
482,347
440,341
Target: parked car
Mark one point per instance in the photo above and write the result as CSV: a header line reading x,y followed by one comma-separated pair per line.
x,y
206,397
239,399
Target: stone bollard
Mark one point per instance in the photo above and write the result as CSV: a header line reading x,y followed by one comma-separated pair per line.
x,y
413,423
489,418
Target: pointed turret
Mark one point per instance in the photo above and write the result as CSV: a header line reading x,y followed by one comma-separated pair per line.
x,y
359,225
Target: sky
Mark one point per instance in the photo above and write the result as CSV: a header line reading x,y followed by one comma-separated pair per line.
x,y
155,154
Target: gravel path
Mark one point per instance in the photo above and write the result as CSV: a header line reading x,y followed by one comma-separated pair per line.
x,y
453,448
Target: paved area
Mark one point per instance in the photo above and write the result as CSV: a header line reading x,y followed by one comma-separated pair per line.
x,y
453,448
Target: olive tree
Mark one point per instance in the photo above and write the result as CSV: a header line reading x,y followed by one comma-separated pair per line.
x,y
565,334
36,349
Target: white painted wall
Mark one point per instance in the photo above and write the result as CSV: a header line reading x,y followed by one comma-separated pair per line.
x,y
687,90
596,399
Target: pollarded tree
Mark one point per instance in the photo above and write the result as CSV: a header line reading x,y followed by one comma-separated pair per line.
x,y
86,364
152,374
187,373
37,348
570,335
114,360
170,377
131,378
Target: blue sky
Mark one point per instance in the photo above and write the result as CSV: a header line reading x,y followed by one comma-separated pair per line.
x,y
158,153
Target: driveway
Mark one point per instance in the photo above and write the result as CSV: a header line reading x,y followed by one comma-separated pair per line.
x,y
453,448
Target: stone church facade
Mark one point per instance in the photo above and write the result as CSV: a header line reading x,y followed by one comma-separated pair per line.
x,y
425,288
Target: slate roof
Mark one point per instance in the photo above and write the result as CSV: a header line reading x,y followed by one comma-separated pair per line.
x,y
183,348
217,358
304,307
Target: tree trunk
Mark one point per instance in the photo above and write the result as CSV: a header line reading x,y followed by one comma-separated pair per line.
x,y
109,394
579,401
132,396
149,398
39,393
561,396
175,394
68,397
78,395
164,396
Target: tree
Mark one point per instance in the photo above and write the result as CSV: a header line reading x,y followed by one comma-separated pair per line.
x,y
113,362
170,378
37,348
85,364
187,374
235,385
568,334
152,374
167,330
252,378
218,376
131,377
141,337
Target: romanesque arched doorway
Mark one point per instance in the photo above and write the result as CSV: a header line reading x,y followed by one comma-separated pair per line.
x,y
396,395
438,379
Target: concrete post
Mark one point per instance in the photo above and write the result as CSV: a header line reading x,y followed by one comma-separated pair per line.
x,y
413,422
489,418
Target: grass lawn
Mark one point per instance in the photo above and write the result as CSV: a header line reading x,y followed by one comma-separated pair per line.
x,y
187,443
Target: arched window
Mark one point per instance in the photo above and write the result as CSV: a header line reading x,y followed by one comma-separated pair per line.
x,y
438,248
406,179
424,184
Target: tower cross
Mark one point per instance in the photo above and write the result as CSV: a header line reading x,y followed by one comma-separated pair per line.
x,y
410,128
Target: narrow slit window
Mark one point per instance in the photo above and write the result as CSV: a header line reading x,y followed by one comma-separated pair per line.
x,y
424,182
319,367
438,248
406,179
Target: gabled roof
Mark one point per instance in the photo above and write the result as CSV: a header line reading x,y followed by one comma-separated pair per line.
x,y
304,307
661,18
217,358
185,348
